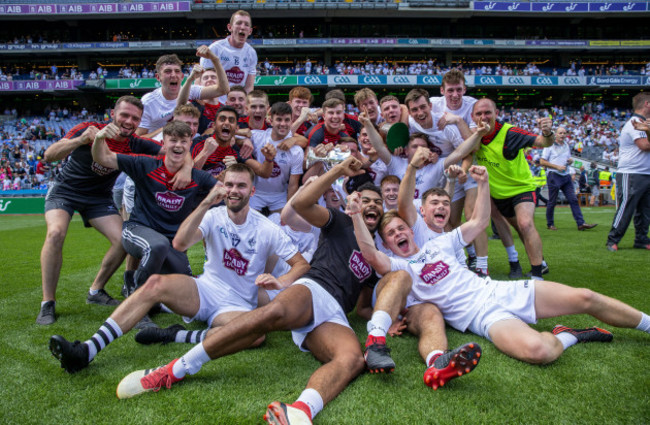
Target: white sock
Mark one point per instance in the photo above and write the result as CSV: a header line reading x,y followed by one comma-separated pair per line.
x,y
313,400
191,362
431,355
108,332
644,324
513,255
544,263
93,291
470,250
566,339
481,263
379,323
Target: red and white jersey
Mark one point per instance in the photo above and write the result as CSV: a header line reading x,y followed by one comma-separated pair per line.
x,y
439,278
431,175
439,106
237,254
444,141
285,164
158,110
238,63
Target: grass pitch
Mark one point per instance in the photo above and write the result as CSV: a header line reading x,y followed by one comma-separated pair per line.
x,y
590,383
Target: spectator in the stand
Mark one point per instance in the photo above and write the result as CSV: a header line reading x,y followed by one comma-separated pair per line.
x,y
557,159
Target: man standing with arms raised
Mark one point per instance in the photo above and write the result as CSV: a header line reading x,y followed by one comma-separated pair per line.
x,y
237,57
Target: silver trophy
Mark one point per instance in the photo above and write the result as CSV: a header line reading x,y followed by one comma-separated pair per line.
x,y
333,157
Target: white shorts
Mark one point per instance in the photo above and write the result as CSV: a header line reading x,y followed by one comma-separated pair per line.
x,y
325,309
216,298
460,189
274,200
514,299
128,195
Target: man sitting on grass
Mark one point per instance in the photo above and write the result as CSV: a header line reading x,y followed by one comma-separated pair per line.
x,y
498,311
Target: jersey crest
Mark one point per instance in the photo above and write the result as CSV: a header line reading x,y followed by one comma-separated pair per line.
x,y
169,201
233,260
359,266
433,273
100,169
235,75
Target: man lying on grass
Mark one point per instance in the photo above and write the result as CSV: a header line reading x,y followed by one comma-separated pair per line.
x,y
498,311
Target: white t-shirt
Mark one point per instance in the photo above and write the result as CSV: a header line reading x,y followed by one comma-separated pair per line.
x,y
439,106
305,242
377,171
285,164
238,63
423,234
557,154
439,278
158,110
631,159
237,254
446,140
429,176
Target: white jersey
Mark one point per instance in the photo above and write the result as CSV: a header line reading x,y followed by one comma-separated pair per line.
x,y
631,159
158,110
238,63
305,242
439,106
429,176
444,141
285,164
377,171
423,234
440,279
237,254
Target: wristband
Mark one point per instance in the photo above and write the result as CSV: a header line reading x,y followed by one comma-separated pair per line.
x,y
549,135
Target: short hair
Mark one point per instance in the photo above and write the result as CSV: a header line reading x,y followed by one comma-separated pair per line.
x,y
385,221
177,128
242,13
168,60
332,103
281,108
415,94
487,99
238,88
363,95
226,108
258,94
453,76
187,109
388,98
239,167
335,94
390,179
131,100
435,191
369,186
640,99
300,93
418,135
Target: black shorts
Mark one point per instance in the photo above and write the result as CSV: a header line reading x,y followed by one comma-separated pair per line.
x,y
507,206
89,207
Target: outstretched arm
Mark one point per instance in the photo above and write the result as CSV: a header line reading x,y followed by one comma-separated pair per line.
x,y
375,138
547,138
469,145
305,202
405,207
223,86
481,216
64,147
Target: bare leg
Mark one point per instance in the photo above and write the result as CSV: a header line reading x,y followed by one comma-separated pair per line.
x,y
516,339
392,290
425,321
525,212
555,299
57,222
338,348
111,227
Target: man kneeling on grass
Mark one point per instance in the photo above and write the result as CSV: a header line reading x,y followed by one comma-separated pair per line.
x,y
498,311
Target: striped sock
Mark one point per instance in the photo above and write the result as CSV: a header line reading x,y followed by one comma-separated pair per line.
x,y
109,331
191,337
